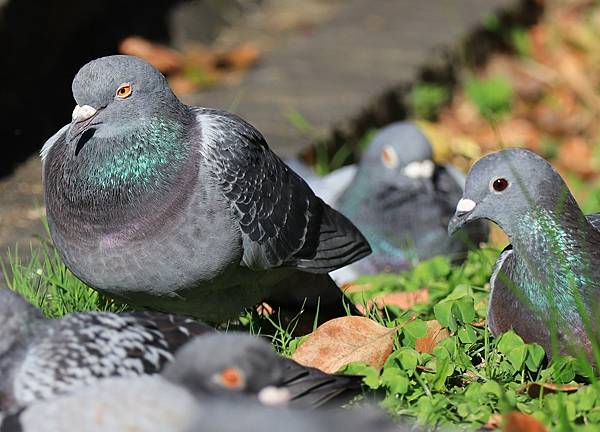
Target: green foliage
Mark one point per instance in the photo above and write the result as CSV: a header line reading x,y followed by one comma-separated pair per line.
x,y
469,375
492,96
427,99
519,38
48,284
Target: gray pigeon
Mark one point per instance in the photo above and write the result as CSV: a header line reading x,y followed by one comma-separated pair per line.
x,y
226,418
185,209
210,379
40,357
140,404
244,366
546,282
400,200
152,404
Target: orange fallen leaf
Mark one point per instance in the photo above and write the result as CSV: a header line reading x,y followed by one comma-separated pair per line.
x,y
494,422
404,299
535,389
518,422
163,58
239,58
435,334
344,340
575,155
351,287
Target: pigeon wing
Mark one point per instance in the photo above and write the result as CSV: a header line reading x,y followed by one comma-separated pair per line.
x,y
282,222
82,348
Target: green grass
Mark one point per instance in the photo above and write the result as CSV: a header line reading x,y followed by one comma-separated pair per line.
x,y
47,283
426,100
468,377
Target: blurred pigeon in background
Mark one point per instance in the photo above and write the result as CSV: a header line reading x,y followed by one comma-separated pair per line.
x,y
225,418
185,209
546,283
400,200
152,404
210,379
40,357
237,364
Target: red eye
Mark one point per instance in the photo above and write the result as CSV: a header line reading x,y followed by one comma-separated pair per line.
x,y
500,184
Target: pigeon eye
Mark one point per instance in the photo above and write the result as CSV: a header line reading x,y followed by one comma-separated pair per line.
x,y
232,378
389,157
499,184
124,91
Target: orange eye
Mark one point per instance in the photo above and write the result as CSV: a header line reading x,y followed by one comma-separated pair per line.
x,y
389,157
232,378
124,90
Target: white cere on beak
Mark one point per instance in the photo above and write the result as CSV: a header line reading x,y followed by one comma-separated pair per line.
x,y
81,113
465,205
274,396
419,169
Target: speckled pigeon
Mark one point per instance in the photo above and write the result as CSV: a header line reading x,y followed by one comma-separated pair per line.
x,y
40,357
401,201
185,209
546,283
211,375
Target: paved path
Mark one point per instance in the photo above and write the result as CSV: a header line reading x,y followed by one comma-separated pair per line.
x,y
330,74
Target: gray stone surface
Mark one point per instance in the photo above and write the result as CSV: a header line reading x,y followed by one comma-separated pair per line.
x,y
330,73
326,59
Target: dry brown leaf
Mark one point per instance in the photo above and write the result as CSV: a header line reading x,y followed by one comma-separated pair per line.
x,y
240,58
351,287
573,72
535,389
518,422
344,340
404,299
435,334
493,423
575,155
163,58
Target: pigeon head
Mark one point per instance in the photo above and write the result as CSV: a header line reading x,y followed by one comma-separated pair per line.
x,y
229,364
115,93
398,151
508,184
18,318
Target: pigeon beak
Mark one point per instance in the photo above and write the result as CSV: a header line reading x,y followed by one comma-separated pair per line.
x,y
82,117
463,209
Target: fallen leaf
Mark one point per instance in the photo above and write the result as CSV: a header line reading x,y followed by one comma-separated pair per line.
x,y
351,287
535,389
163,58
435,334
515,421
404,299
575,155
494,422
344,340
239,58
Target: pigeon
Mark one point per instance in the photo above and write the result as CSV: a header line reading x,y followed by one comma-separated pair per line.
x,y
209,379
185,209
245,417
117,404
41,357
400,199
545,284
152,404
237,364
